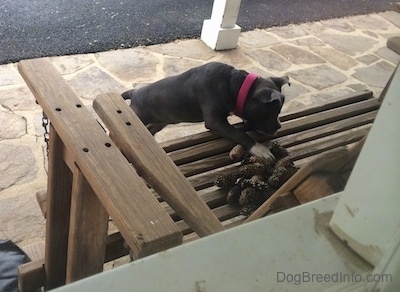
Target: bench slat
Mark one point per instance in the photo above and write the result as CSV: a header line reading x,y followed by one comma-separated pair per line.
x,y
186,141
221,145
220,160
328,116
353,97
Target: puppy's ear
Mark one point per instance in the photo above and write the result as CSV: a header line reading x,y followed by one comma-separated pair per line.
x,y
280,81
271,96
127,94
277,97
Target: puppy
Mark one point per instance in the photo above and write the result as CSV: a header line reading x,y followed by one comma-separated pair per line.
x,y
211,93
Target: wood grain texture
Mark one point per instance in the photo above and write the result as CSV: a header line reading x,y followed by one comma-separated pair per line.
x,y
152,163
31,276
138,215
318,185
41,198
186,141
314,126
57,213
88,228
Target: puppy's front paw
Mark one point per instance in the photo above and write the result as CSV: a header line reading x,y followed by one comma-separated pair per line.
x,y
262,151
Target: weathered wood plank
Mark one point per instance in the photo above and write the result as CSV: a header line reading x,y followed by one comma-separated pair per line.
x,y
328,130
350,98
328,116
88,228
35,251
353,120
217,198
58,207
285,201
41,197
206,136
297,152
317,186
28,279
116,247
140,148
221,145
31,276
313,148
200,151
223,213
138,215
310,143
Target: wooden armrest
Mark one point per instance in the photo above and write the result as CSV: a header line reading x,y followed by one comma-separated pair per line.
x,y
153,164
144,224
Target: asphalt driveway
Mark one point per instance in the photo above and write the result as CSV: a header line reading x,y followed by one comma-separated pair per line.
x,y
39,28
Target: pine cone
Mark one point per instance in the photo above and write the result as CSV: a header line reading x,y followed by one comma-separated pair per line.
x,y
256,159
285,162
280,175
233,195
256,179
247,196
246,159
278,151
275,179
249,170
256,183
225,181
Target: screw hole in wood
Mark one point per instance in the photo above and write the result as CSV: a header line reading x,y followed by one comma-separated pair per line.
x,y
128,123
85,149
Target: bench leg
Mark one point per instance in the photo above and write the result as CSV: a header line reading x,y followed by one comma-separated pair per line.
x,y
88,231
58,211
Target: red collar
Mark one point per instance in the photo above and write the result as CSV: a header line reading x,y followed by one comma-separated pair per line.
x,y
243,92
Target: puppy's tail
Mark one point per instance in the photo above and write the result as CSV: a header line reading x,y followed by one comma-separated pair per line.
x,y
127,94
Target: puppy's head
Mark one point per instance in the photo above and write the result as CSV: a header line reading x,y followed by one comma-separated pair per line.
x,y
262,109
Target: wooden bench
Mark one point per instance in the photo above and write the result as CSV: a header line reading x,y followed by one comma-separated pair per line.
x,y
204,156
90,180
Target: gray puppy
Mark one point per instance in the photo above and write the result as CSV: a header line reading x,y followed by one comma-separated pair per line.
x,y
211,93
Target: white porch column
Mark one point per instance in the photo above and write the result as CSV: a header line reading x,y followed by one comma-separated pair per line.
x,y
221,32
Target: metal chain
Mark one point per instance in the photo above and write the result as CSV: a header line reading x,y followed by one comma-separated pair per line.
x,y
46,135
